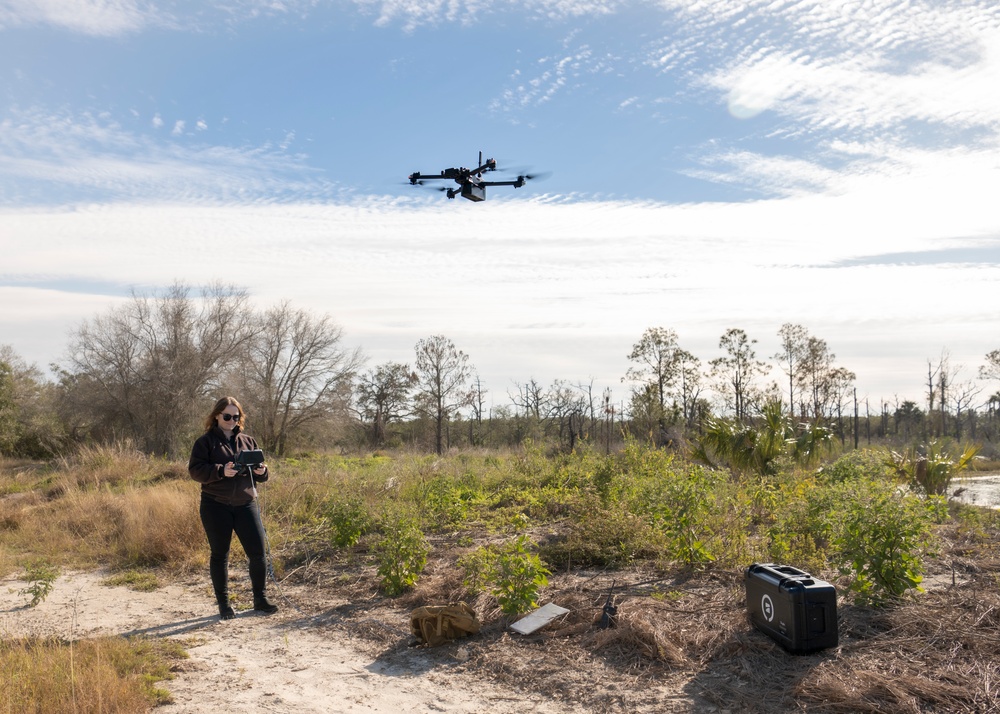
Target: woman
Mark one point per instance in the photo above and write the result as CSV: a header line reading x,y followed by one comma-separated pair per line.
x,y
229,502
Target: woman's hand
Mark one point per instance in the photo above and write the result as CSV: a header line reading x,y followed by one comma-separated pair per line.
x,y
229,470
260,470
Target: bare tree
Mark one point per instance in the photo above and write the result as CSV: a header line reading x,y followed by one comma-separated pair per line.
x,y
478,404
443,373
963,395
143,367
295,370
991,370
531,398
841,391
565,410
589,400
383,396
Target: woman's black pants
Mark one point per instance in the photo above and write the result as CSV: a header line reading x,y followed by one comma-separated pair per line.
x,y
221,521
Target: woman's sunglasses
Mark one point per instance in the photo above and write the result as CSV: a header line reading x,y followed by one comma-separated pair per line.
x,y
230,417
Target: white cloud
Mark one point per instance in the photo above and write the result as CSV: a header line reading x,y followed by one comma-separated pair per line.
x,y
178,128
416,13
84,157
201,125
555,74
90,17
157,121
595,274
857,67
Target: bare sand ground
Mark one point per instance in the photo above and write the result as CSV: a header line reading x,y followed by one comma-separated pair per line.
x,y
297,660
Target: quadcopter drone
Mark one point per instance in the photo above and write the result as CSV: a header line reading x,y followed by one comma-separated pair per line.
x,y
470,181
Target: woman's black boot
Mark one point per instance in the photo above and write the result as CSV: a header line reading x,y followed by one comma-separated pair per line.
x,y
225,611
262,604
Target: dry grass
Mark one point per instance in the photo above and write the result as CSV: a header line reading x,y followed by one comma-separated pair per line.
x,y
102,675
156,525
683,642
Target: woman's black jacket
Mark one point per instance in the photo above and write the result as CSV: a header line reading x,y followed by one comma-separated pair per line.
x,y
209,455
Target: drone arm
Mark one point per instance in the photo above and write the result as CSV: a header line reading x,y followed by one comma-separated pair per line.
x,y
517,183
417,177
458,175
490,165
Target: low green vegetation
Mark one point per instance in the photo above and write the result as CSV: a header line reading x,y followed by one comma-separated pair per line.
x,y
856,515
511,572
501,522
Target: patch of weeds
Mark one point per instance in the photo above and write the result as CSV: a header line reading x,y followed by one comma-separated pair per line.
x,y
139,580
602,537
666,596
446,504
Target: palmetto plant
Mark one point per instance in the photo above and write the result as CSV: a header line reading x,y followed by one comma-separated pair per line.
x,y
931,467
756,448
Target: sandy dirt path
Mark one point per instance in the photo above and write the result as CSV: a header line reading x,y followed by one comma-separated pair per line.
x,y
293,661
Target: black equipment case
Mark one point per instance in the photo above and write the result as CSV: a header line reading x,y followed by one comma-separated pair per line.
x,y
794,609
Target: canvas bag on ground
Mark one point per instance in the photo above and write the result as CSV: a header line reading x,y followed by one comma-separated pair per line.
x,y
434,625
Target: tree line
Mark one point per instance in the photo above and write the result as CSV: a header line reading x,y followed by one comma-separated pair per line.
x,y
148,370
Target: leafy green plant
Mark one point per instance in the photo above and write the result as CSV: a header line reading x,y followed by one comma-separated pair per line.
x,y
445,503
348,521
806,519
884,535
684,515
401,555
511,572
40,575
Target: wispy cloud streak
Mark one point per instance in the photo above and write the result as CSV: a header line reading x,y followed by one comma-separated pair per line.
x,y
65,158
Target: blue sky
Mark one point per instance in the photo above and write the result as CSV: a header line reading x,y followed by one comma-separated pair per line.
x,y
713,165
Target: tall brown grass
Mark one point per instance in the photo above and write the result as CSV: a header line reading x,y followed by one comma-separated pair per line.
x,y
102,506
102,675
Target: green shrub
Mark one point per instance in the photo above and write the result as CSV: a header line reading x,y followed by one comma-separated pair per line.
x,y
806,518
687,514
884,534
444,503
854,465
401,554
511,572
347,520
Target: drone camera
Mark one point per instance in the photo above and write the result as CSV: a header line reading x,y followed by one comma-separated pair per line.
x,y
473,192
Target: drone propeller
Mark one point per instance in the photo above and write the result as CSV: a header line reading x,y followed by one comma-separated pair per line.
x,y
536,176
427,185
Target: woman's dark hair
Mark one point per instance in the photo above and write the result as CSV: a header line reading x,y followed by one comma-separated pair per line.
x,y
220,406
